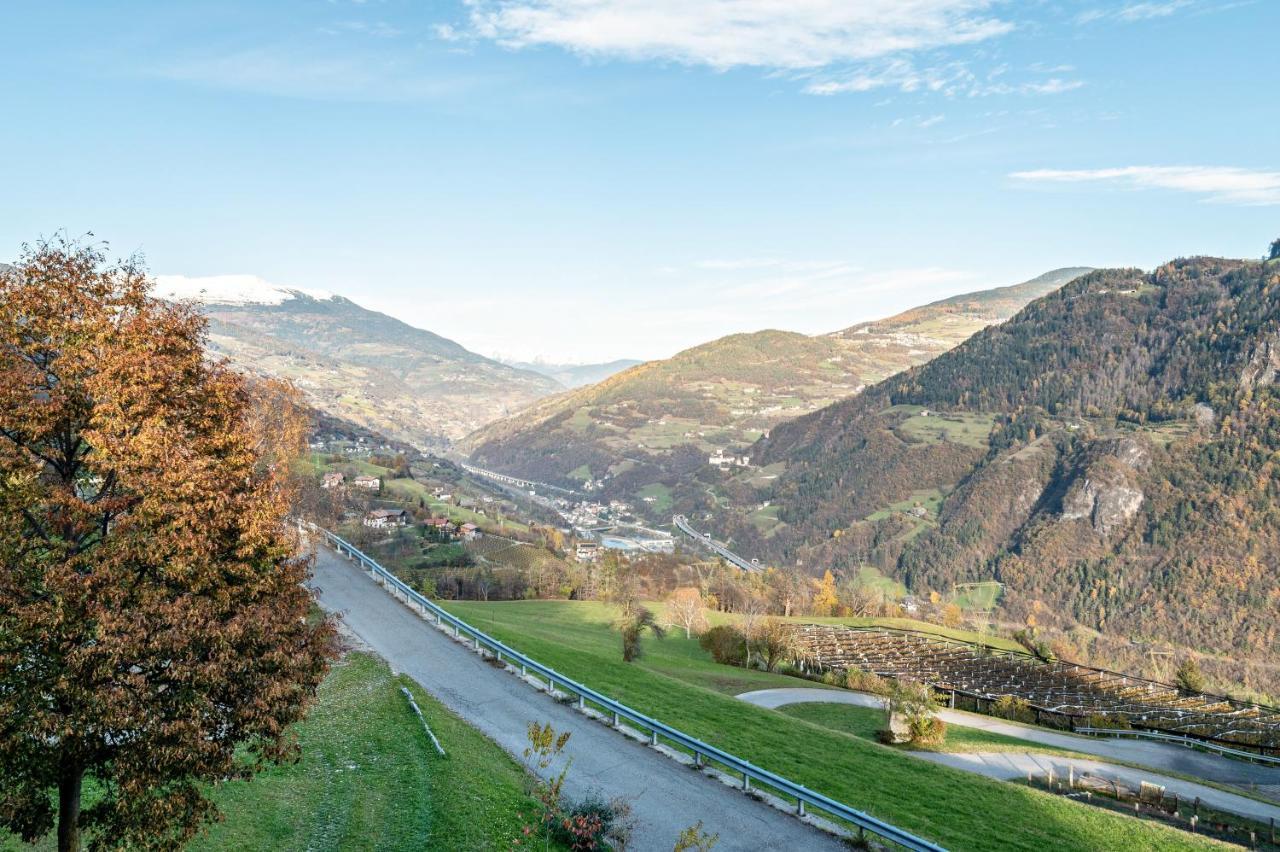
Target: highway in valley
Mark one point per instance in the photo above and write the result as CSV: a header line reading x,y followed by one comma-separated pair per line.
x,y
665,796
682,523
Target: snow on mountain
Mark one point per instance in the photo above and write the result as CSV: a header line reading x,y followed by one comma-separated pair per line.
x,y
230,290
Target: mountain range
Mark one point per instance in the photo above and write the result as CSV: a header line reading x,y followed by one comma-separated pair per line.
x,y
642,430
1111,454
575,375
357,364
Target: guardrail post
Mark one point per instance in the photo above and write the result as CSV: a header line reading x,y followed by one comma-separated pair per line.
x,y
615,720
524,670
800,807
653,737
582,702
746,781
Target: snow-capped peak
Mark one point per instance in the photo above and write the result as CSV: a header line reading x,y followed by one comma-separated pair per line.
x,y
230,290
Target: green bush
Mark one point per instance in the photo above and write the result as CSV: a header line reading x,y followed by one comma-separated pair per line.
x,y
927,730
863,681
1014,708
725,644
1107,721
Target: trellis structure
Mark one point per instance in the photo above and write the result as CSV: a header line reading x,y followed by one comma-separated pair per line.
x,y
1062,693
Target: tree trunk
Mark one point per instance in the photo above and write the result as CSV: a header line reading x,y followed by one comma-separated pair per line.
x,y
69,809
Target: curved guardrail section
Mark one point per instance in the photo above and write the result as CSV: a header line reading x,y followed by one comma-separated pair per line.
x,y
700,750
1190,742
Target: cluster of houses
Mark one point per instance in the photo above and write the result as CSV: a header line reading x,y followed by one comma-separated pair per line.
x,y
337,479
390,518
588,514
723,462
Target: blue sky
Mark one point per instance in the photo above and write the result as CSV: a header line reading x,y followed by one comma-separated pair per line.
x,y
589,179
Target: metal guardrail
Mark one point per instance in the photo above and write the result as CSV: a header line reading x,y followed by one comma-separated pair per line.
x,y
1191,742
700,750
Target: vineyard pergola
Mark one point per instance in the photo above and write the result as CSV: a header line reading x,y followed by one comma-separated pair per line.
x,y
1064,694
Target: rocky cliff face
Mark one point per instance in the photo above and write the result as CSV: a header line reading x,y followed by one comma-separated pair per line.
x,y
1106,491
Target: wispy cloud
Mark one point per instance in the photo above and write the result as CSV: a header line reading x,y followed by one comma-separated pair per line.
x,y
1131,12
723,34
1220,184
787,287
377,29
300,73
953,79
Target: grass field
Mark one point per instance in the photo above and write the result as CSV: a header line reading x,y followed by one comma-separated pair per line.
x,y
368,780
661,495
967,428
677,683
978,596
863,722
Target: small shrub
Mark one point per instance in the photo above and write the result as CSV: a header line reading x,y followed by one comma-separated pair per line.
x,y
694,839
1014,708
725,644
1108,721
589,825
863,681
1188,677
927,730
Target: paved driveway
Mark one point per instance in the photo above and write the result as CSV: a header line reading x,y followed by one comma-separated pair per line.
x,y
1008,765
666,797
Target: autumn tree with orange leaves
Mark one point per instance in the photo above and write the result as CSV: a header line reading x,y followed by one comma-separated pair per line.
x,y
154,631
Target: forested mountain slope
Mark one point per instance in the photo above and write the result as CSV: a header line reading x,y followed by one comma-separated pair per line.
x,y
654,425
1110,454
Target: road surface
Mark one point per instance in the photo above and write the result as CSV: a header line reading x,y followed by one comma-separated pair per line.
x,y
666,797
682,524
1009,765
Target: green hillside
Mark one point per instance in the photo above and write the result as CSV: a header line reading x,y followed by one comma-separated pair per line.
x,y
368,779
677,682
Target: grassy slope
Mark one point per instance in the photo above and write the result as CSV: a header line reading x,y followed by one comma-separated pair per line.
x,y
679,685
367,779
863,722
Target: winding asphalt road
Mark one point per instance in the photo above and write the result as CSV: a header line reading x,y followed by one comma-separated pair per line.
x,y
1009,765
665,796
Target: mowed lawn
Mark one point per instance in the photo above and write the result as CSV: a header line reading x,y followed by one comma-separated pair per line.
x,y
679,684
368,779
863,722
